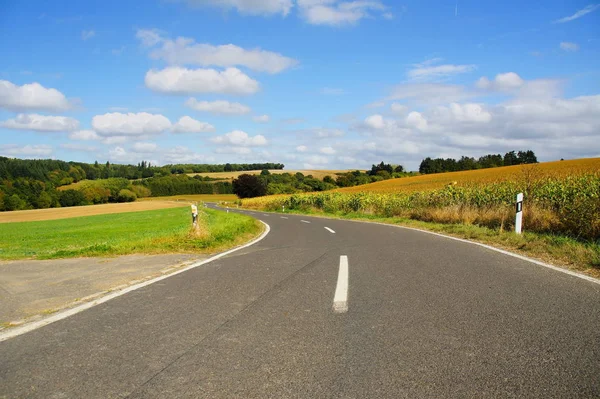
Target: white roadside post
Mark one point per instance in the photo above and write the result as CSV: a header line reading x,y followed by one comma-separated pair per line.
x,y
283,208
519,214
194,215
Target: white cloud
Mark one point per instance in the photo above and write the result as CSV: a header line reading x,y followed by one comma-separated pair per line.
x,y
79,147
177,80
31,96
302,148
13,150
338,13
130,125
41,123
185,51
249,7
398,109
375,121
261,118
220,107
114,140
84,135
145,148
240,138
568,46
87,34
512,83
327,150
416,119
502,82
323,133
187,124
149,37
580,13
470,113
429,71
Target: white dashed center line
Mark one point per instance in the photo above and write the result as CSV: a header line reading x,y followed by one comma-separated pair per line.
x,y
305,221
329,230
340,299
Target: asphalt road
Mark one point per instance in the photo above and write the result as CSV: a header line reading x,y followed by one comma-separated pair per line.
x,y
423,317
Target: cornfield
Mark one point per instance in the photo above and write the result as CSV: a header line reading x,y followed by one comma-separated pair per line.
x,y
561,204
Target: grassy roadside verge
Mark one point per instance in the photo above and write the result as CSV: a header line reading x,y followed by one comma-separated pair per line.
x,y
147,232
583,257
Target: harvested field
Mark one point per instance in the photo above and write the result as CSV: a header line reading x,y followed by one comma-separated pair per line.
x,y
524,173
77,211
193,198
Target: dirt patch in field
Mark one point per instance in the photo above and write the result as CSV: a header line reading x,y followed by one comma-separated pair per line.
x,y
90,210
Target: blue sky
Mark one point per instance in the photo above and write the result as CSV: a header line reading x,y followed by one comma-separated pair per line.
x,y
321,84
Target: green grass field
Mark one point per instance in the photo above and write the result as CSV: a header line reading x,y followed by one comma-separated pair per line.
x,y
148,232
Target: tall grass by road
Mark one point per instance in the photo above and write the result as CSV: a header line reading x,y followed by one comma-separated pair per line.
x,y
561,215
147,232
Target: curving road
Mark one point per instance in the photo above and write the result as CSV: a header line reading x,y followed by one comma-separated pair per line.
x,y
415,316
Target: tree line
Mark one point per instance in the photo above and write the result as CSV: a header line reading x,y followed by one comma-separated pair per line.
x,y
440,165
247,186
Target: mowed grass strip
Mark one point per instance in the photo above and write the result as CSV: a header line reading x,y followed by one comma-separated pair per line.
x,y
148,232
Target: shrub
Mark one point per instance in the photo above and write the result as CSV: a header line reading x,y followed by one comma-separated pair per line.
x,y
126,196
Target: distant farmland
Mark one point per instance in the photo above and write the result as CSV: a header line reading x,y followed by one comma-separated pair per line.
x,y
558,169
87,210
317,174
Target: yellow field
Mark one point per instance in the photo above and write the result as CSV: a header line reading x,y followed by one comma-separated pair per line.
x,y
318,174
90,210
193,198
481,176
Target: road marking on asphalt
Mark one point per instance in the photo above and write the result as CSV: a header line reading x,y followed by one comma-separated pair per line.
x,y
264,214
284,217
340,299
329,230
13,332
305,221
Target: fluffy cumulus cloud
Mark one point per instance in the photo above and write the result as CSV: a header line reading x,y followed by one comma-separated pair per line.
x,y
178,80
25,151
301,148
41,123
470,113
187,124
185,51
261,118
338,13
219,107
32,96
512,84
130,124
241,139
249,7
